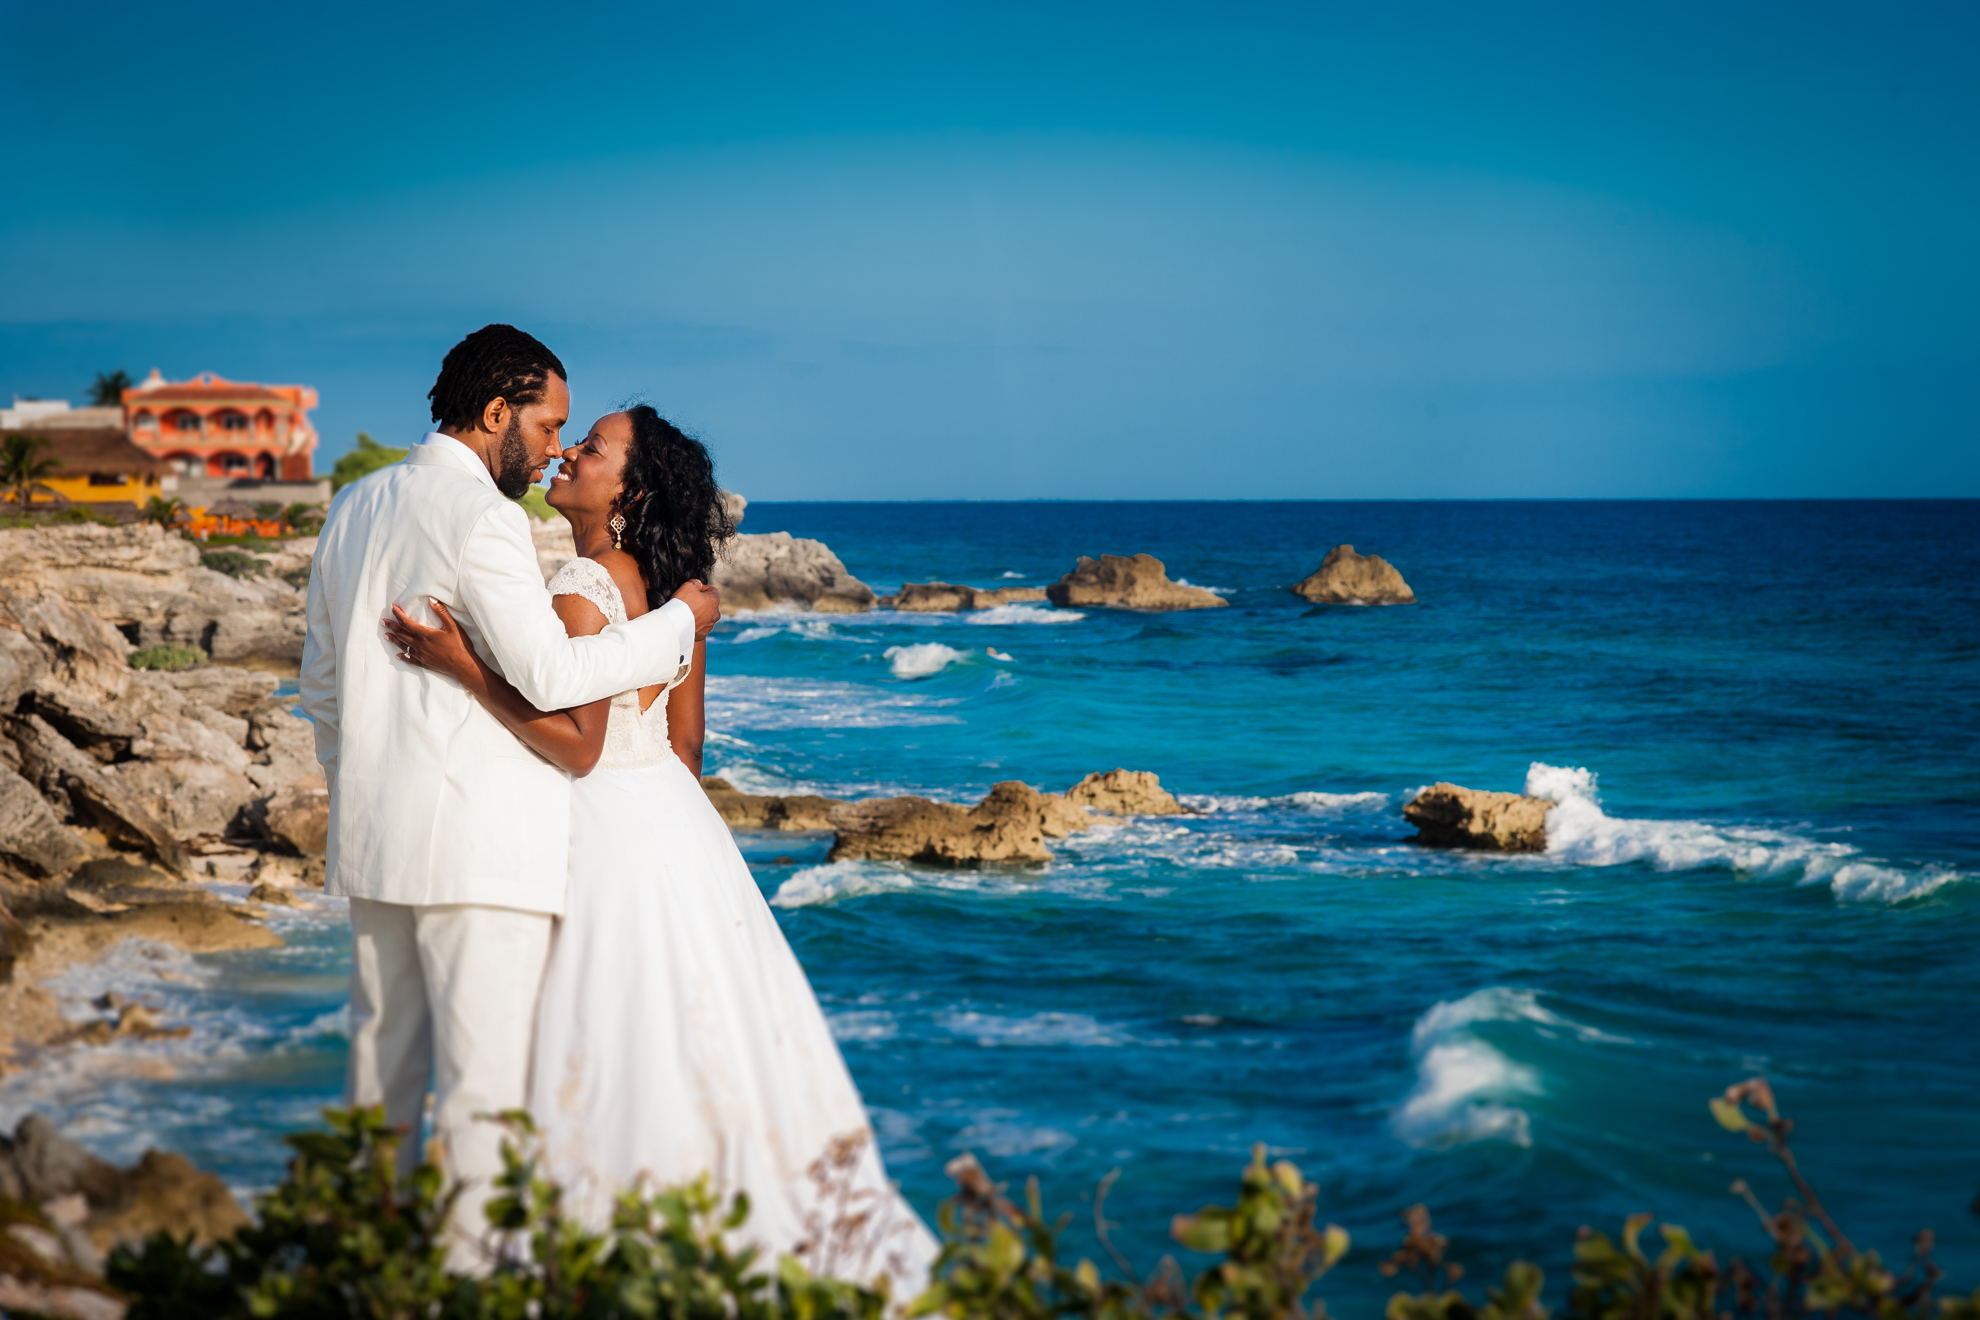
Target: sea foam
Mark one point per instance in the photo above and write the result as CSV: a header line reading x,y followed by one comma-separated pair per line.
x,y
1580,832
1465,1087
748,701
921,659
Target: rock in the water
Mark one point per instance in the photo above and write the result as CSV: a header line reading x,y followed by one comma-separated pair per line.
x,y
1124,793
1009,825
1128,582
758,572
1448,816
166,1191
762,811
161,1191
1346,578
948,598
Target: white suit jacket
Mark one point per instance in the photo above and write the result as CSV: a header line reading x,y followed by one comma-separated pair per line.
x,y
431,799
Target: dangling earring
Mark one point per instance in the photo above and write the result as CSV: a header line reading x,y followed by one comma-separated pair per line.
x,y
617,525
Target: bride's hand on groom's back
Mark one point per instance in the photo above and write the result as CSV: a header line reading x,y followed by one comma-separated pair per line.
x,y
444,649
705,601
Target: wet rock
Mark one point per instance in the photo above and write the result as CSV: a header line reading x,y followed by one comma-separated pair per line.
x,y
1009,825
196,927
1346,578
1127,582
775,568
299,816
948,598
161,1191
1124,793
48,1165
32,835
1449,816
754,811
166,1191
268,893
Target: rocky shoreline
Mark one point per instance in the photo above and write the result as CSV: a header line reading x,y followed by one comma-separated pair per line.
x,y
122,787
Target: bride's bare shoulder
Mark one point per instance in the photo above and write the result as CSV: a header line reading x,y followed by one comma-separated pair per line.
x,y
625,575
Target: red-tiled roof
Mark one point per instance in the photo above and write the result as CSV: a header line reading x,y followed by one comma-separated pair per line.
x,y
220,391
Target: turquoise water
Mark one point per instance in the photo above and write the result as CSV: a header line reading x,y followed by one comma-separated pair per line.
x,y
1761,718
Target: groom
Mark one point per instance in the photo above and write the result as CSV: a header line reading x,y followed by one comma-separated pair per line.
x,y
448,836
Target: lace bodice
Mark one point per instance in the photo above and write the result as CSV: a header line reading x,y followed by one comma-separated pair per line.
x,y
632,737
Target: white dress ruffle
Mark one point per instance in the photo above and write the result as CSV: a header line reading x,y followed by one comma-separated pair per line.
x,y
677,1033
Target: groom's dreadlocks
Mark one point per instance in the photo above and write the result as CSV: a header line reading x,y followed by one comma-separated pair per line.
x,y
495,362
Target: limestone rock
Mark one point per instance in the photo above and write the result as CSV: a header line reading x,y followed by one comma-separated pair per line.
x,y
32,834
1448,816
162,1191
555,545
234,692
1009,825
1128,582
195,926
754,811
947,598
1346,578
1124,793
149,584
757,572
95,794
299,816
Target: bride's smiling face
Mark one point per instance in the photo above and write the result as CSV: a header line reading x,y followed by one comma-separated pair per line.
x,y
593,470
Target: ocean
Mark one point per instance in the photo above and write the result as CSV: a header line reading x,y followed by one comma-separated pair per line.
x,y
1761,720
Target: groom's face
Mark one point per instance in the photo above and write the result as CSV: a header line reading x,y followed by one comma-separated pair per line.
x,y
532,439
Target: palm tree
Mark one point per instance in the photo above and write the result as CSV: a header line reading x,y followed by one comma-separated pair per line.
x,y
24,464
107,390
166,512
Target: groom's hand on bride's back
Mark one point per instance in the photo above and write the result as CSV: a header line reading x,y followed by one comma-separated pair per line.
x,y
705,601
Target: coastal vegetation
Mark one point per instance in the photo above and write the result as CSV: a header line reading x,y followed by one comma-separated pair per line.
x,y
365,458
343,1235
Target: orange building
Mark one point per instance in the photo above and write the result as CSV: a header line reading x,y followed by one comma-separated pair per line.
x,y
209,427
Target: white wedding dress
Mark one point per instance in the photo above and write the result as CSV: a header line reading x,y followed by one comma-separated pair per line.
x,y
677,1034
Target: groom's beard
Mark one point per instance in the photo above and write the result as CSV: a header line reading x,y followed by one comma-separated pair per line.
x,y
512,474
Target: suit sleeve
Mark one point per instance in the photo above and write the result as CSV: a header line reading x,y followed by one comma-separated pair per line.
x,y
502,592
318,681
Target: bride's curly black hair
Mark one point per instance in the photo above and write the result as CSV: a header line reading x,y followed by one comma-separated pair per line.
x,y
676,518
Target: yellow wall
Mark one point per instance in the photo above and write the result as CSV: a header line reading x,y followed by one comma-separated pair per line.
x,y
136,490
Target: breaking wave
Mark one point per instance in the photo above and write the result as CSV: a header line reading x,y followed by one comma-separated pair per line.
x,y
921,659
1580,832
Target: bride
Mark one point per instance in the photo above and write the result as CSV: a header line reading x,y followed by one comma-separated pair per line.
x,y
676,1033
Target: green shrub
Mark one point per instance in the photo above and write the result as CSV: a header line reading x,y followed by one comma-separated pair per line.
x,y
362,461
170,656
297,577
343,1235
234,563
536,506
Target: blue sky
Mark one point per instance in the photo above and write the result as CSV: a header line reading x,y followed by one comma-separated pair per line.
x,y
918,250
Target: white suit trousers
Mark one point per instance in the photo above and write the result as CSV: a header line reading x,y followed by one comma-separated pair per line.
x,y
447,994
